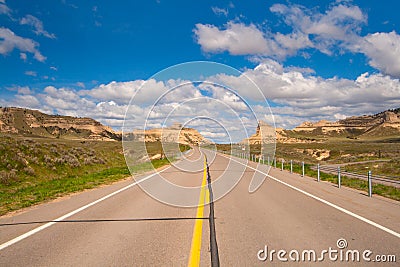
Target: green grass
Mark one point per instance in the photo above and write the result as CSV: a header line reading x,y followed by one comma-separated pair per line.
x,y
14,198
386,168
341,150
378,189
35,170
17,197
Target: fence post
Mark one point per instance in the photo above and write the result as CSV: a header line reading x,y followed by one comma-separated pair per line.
x,y
291,166
369,183
318,173
303,168
275,162
339,178
282,165
268,160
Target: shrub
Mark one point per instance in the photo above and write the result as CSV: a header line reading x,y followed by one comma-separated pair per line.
x,y
54,150
34,160
29,170
70,160
8,178
47,159
93,160
19,158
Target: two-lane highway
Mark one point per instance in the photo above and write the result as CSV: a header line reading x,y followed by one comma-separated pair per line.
x,y
120,225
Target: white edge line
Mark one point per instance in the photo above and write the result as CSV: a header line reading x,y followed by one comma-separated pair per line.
x,y
44,226
323,201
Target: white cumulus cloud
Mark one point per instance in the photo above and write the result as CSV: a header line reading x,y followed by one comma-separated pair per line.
x,y
335,31
383,50
237,38
9,41
4,9
37,24
295,96
220,11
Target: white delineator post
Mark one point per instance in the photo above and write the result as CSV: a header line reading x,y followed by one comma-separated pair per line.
x,y
369,183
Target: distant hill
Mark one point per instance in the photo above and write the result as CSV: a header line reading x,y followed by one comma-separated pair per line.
x,y
175,133
386,123
35,123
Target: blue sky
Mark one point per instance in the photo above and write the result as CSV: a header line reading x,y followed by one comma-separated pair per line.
x,y
342,58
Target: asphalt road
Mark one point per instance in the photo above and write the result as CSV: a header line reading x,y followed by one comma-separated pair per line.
x,y
121,225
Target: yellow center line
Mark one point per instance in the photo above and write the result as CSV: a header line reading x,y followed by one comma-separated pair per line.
x,y
194,259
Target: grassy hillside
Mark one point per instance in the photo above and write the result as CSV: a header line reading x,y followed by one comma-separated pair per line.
x,y
383,154
343,150
34,170
32,123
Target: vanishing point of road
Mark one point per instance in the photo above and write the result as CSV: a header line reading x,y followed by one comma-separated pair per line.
x,y
120,225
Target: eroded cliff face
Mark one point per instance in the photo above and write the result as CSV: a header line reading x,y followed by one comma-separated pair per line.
x,y
173,134
35,123
265,133
386,123
381,124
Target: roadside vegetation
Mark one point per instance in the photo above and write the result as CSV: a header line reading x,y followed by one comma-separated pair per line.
x,y
390,168
379,156
383,156
34,170
378,189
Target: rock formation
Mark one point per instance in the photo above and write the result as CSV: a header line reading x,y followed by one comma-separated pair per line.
x,y
381,124
265,134
35,123
174,134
